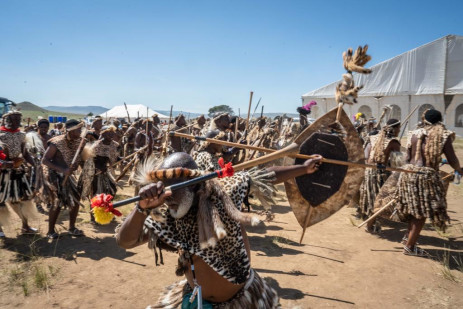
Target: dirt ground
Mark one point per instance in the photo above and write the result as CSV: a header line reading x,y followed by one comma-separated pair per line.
x,y
337,265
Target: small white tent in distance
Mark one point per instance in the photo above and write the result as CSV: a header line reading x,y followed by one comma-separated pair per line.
x,y
134,111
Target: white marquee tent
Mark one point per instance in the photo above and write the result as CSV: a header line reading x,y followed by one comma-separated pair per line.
x,y
135,111
430,76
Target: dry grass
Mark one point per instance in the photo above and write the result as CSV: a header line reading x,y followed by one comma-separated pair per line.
x,y
445,270
459,262
280,239
444,234
458,143
29,277
355,222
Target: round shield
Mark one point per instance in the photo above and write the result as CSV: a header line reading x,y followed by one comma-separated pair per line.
x,y
341,182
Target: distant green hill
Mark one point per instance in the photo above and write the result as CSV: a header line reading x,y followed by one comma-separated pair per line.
x,y
28,106
32,111
96,110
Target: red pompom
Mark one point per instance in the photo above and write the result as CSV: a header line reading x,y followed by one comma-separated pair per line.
x,y
101,200
227,169
116,212
104,201
2,155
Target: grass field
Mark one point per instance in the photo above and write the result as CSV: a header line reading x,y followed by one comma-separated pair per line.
x,y
32,111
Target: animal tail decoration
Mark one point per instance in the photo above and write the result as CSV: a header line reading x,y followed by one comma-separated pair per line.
x,y
355,62
148,172
104,210
210,225
34,143
346,91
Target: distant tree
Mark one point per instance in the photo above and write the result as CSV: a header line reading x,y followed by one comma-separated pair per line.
x,y
90,114
220,109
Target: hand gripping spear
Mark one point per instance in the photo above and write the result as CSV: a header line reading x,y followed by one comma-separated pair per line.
x,y
104,209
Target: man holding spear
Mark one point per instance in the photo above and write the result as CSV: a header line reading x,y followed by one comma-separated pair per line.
x,y
419,196
204,225
60,160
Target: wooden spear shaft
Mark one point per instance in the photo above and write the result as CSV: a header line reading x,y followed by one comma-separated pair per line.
x,y
236,126
185,127
124,171
249,111
255,109
306,222
76,155
292,154
128,115
380,211
383,113
166,142
404,123
125,158
338,114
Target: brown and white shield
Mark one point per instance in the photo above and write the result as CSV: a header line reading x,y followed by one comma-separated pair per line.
x,y
317,196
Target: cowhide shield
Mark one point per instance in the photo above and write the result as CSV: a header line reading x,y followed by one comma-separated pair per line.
x,y
301,193
318,187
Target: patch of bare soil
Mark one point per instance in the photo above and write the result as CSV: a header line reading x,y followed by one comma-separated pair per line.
x,y
337,265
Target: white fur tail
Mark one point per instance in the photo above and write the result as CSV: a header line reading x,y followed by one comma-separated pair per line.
x,y
142,175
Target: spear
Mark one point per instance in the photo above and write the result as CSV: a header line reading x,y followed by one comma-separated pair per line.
x,y
376,213
74,159
404,125
128,115
102,202
237,120
292,155
125,158
124,171
255,109
164,148
249,111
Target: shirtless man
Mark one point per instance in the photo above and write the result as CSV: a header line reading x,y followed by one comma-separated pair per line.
x,y
379,149
424,150
221,263
43,126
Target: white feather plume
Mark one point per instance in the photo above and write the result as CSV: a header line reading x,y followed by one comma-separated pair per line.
x,y
142,174
33,140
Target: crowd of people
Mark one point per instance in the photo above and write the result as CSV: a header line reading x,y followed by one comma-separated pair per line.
x,y
53,169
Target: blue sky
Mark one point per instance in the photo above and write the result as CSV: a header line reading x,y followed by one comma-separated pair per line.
x,y
196,54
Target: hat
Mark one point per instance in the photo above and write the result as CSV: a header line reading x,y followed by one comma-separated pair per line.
x,y
12,112
43,120
107,129
73,124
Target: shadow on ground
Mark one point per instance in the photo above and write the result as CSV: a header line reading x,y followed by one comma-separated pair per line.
x,y
294,294
29,247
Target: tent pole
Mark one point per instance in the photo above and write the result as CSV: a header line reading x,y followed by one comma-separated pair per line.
x,y
445,78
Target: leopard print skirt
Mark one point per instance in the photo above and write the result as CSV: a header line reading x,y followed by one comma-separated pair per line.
x,y
373,180
256,294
